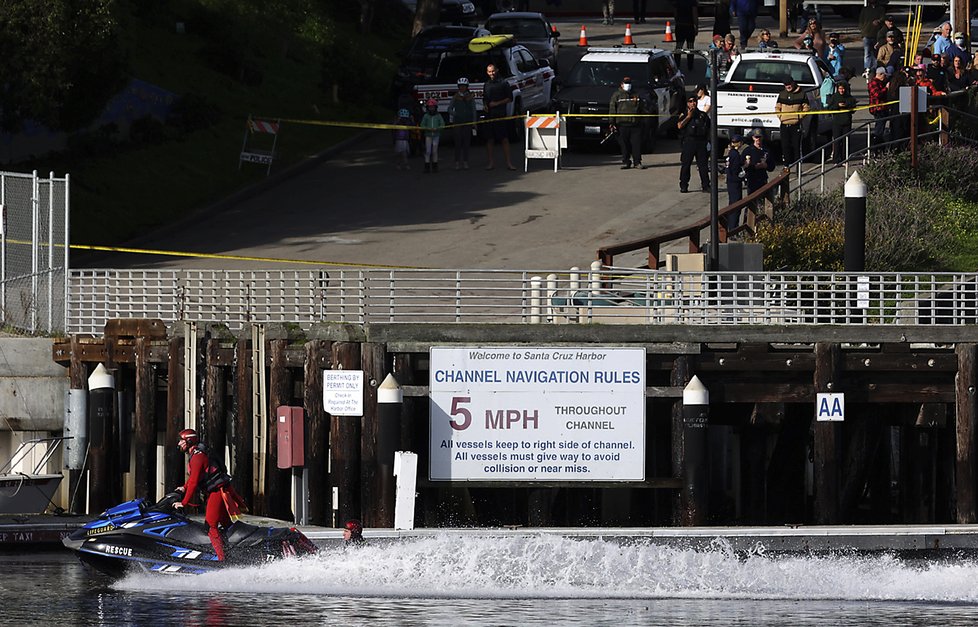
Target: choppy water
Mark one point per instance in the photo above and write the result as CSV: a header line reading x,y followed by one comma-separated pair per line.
x,y
531,580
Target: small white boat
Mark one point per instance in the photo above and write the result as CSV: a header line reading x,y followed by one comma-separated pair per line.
x,y
29,492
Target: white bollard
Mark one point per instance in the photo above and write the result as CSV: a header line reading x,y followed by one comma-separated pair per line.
x,y
535,297
406,471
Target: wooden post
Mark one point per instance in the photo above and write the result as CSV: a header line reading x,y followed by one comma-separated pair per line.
x,y
101,402
145,427
317,434
215,419
243,445
77,486
754,460
278,483
173,469
827,358
344,440
678,377
964,416
376,487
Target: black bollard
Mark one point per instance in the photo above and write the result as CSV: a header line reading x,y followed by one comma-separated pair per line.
x,y
696,478
101,393
390,399
855,224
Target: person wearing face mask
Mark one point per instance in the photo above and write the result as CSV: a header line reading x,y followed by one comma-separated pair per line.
x,y
958,48
624,108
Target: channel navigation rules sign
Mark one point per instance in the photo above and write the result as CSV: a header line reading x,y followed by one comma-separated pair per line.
x,y
537,414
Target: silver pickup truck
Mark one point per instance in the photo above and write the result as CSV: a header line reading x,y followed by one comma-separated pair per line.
x,y
748,93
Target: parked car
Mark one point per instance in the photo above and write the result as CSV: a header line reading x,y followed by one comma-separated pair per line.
x,y
421,59
747,96
453,12
531,78
532,30
589,85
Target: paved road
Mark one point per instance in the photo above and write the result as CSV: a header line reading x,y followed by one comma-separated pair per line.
x,y
358,209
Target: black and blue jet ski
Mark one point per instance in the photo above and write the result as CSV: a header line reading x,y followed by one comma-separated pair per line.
x,y
158,539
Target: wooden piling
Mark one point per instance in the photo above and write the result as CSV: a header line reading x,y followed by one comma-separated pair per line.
x,y
678,377
318,353
215,420
344,439
826,439
242,470
145,424
965,383
376,480
278,482
173,467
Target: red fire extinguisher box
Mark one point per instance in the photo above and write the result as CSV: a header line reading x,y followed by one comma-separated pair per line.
x,y
289,421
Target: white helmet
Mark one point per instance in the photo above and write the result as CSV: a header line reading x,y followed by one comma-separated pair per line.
x,y
463,81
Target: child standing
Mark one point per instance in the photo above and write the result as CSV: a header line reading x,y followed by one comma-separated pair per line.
x,y
431,125
461,113
401,137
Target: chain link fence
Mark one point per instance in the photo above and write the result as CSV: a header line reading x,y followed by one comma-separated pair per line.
x,y
33,253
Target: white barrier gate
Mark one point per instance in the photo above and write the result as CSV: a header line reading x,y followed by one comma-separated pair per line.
x,y
545,136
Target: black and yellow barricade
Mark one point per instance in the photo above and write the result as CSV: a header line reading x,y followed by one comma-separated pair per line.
x,y
259,143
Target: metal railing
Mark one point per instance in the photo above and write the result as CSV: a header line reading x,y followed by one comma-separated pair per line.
x,y
600,295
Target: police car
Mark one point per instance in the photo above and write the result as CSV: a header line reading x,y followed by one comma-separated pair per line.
x,y
590,84
531,78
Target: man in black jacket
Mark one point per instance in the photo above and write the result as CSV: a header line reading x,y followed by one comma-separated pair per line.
x,y
625,107
694,130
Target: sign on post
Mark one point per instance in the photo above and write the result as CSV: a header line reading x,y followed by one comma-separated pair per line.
x,y
830,406
545,136
253,150
537,414
343,392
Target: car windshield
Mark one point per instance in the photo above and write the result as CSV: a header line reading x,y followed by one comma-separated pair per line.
x,y
471,66
607,73
765,71
522,29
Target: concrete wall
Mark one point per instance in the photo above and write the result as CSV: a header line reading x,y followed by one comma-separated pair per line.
x,y
33,387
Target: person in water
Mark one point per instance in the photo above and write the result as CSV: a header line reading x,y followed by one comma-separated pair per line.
x,y
353,533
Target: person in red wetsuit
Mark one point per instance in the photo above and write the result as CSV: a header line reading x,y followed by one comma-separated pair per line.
x,y
208,478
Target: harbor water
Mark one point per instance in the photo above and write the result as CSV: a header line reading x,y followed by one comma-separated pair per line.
x,y
448,580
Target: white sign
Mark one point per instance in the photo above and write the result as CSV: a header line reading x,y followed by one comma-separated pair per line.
x,y
830,406
537,414
343,392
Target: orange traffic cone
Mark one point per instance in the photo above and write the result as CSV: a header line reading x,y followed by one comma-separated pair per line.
x,y
669,37
628,36
583,39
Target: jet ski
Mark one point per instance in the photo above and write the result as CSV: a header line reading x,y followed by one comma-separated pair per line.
x,y
158,539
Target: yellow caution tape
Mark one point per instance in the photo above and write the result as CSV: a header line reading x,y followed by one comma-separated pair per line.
x,y
177,253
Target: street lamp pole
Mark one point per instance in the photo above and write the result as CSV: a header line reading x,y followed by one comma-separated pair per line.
x,y
714,184
713,262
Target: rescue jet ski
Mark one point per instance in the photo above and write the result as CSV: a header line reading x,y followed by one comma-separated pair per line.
x,y
158,539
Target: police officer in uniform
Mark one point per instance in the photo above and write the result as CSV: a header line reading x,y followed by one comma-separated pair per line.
x,y
694,129
626,103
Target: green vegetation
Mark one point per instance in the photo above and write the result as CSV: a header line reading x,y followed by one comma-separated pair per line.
x,y
225,59
920,221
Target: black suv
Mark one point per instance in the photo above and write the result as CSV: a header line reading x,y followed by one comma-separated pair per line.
x,y
589,85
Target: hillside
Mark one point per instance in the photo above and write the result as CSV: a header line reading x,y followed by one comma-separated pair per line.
x,y
224,60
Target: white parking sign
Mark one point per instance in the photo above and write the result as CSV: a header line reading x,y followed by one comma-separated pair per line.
x,y
537,414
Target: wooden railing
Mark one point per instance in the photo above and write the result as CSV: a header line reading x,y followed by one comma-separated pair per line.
x,y
755,211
